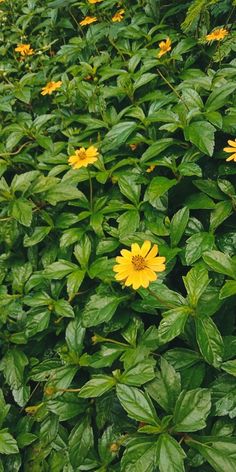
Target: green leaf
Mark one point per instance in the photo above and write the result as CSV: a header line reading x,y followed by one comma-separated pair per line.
x,y
137,404
158,187
217,98
220,213
199,201
196,282
97,386
209,341
63,309
219,452
39,233
129,187
21,210
170,455
228,289
63,192
196,245
173,323
189,168
100,309
178,225
220,262
82,251
155,149
25,439
74,336
166,386
191,410
74,280
4,408
8,444
13,365
67,406
201,133
118,135
80,443
229,367
58,270
139,456
139,374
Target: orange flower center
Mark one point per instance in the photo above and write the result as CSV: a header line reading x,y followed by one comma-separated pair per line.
x,y
138,262
82,155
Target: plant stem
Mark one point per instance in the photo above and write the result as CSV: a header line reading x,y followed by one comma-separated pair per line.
x,y
90,191
173,89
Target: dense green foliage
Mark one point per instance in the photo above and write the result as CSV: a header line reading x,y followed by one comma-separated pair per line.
x,y
96,376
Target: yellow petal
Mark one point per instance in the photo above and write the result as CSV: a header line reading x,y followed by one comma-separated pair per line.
x,y
126,254
137,279
152,253
122,260
150,274
232,143
135,249
229,149
231,158
145,248
157,268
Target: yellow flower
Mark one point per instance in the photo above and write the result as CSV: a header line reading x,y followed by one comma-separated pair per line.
x,y
138,267
231,149
151,168
83,157
88,20
94,1
165,46
118,16
133,147
24,49
217,35
50,87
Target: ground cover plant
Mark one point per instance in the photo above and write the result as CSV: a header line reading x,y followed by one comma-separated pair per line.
x,y
117,235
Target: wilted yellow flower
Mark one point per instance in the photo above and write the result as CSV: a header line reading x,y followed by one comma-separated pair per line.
x,y
83,157
165,46
31,410
88,20
50,87
95,1
118,16
138,267
217,35
232,150
151,168
24,49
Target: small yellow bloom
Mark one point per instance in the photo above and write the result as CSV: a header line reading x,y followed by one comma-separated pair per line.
x,y
50,87
138,267
133,147
165,46
1,1
151,168
88,20
24,49
232,150
217,35
83,157
94,1
118,16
